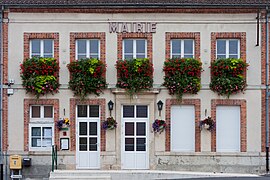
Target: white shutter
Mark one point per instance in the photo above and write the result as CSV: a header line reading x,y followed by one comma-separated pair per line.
x,y
183,128
228,129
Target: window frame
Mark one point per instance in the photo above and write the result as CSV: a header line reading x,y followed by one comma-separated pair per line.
x,y
227,46
87,48
134,51
41,47
40,125
41,122
182,50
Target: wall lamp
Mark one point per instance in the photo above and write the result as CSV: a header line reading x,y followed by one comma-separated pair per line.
x,y
110,106
159,105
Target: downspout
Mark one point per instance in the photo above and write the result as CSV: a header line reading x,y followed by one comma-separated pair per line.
x,y
267,92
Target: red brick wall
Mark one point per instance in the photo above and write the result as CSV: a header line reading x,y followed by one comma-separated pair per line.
x,y
147,36
88,35
5,80
29,36
27,104
228,35
183,35
197,104
73,104
243,120
135,10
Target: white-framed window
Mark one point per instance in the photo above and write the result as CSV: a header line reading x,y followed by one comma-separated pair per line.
x,y
41,128
182,48
228,48
41,47
87,48
134,48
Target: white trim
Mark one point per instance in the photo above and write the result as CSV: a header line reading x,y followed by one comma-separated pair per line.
x,y
41,118
88,50
134,52
227,46
31,125
182,50
41,41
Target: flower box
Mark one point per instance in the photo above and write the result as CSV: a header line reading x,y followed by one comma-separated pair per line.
x,y
109,124
159,125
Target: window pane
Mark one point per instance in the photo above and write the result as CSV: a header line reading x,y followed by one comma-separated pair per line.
x,y
128,57
233,47
129,144
221,56
141,111
82,111
140,56
94,56
221,46
35,46
233,56
94,111
81,56
92,144
83,144
47,55
36,142
188,46
92,128
188,56
81,46
48,46
176,56
176,46
128,111
140,131
83,128
35,111
48,111
46,142
47,132
93,47
140,144
129,129
128,46
140,46
36,131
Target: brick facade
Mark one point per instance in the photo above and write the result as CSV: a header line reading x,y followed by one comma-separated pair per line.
x,y
183,35
27,104
243,120
73,103
88,35
147,36
229,35
29,36
197,105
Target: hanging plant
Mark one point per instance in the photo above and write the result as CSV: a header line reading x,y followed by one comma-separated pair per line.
x,y
40,76
182,76
110,123
86,77
208,123
134,75
227,76
63,124
159,125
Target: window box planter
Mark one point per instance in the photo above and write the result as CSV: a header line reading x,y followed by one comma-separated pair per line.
x,y
40,76
182,76
227,76
86,77
134,75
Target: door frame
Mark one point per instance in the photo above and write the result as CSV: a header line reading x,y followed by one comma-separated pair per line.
x,y
87,119
146,120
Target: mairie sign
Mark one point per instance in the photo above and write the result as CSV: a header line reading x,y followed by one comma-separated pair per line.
x,y
132,27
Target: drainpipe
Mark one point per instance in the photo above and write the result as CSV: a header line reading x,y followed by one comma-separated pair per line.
x,y
267,92
1,91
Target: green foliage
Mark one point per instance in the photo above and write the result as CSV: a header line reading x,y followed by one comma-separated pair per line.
x,y
39,75
134,75
227,76
87,76
182,76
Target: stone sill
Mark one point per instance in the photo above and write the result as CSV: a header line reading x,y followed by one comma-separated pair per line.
x,y
227,154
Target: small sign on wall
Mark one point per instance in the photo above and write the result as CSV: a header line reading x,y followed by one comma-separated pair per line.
x,y
64,143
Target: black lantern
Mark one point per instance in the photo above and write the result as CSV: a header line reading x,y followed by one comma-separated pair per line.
x,y
160,105
110,106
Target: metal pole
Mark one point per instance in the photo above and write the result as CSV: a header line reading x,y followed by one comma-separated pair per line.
x,y
267,93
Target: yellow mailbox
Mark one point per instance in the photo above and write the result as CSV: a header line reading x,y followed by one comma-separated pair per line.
x,y
15,162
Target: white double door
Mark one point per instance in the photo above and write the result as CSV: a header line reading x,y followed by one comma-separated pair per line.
x,y
88,137
134,137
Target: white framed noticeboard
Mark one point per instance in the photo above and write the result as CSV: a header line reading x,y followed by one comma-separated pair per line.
x,y
64,143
